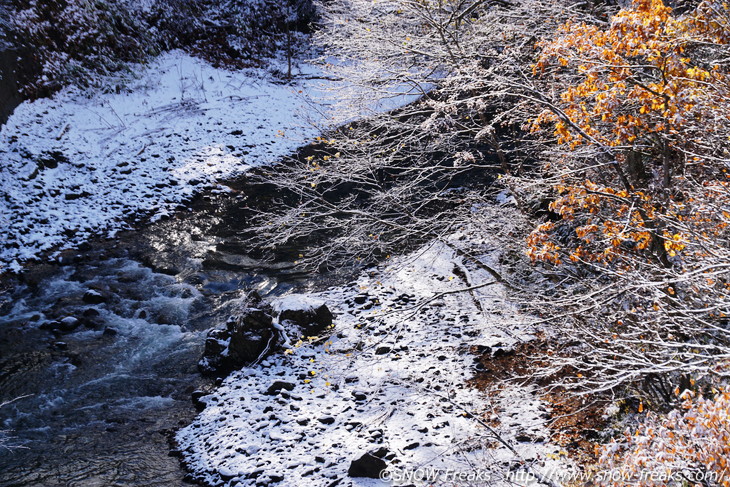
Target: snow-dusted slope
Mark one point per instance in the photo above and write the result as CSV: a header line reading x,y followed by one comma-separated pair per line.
x,y
393,374
81,162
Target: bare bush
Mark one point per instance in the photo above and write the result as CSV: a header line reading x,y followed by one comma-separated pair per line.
x,y
412,174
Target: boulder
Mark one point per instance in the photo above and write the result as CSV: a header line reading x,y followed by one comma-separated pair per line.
x,y
310,315
246,337
69,323
216,342
278,386
197,398
92,296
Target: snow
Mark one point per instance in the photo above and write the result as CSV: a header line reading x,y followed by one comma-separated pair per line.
x,y
82,162
393,373
296,302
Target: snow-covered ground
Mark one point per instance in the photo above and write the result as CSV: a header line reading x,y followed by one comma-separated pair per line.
x,y
81,161
84,161
393,373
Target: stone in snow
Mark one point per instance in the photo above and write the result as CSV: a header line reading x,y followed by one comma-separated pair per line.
x,y
370,465
279,386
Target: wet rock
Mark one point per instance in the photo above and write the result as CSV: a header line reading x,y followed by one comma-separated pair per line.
x,y
69,323
245,339
370,465
326,420
92,296
110,332
48,325
216,342
382,350
196,397
91,313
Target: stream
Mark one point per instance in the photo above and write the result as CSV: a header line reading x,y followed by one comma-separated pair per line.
x,y
98,352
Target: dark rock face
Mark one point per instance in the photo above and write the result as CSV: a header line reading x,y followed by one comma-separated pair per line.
x,y
245,338
370,465
17,67
251,334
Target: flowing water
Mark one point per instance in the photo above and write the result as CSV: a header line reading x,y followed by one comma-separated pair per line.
x,y
99,387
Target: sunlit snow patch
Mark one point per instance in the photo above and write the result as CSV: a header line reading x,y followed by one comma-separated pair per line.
x,y
82,161
392,375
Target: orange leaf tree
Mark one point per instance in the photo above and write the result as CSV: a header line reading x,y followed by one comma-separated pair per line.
x,y
641,117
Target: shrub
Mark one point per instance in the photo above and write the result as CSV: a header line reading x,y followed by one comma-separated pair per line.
x,y
77,40
690,446
85,41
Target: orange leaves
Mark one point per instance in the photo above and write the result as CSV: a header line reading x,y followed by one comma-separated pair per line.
x,y
611,225
642,89
681,445
583,231
540,247
674,243
637,76
642,239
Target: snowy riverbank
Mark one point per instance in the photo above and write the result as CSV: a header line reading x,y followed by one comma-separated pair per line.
x,y
82,162
392,376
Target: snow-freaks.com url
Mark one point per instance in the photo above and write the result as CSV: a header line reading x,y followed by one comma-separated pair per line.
x,y
426,476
